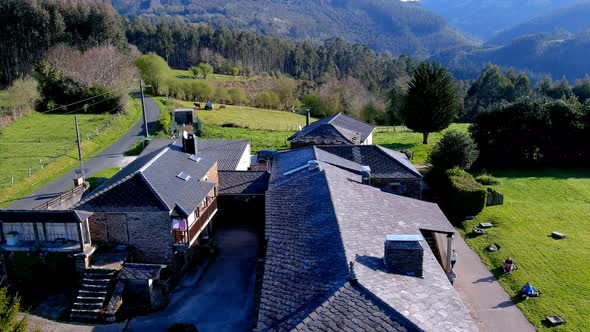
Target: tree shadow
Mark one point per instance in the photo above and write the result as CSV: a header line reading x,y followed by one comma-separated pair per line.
x,y
398,146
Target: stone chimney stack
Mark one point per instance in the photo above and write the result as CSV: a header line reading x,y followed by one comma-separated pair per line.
x,y
404,254
189,143
366,174
307,117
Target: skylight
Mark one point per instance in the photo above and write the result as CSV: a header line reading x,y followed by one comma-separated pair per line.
x,y
184,176
194,157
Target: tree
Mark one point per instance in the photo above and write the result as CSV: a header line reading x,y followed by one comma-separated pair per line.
x,y
312,102
235,71
23,94
205,69
285,88
236,96
395,105
221,95
9,310
455,149
154,71
431,101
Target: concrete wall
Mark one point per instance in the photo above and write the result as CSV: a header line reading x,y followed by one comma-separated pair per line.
x,y
149,233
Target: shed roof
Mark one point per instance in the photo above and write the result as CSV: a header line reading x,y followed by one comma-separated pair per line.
x,y
243,182
335,129
43,216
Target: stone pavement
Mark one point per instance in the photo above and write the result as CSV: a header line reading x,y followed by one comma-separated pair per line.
x,y
483,295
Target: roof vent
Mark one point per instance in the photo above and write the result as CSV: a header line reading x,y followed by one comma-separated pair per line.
x,y
313,165
195,158
366,174
184,176
404,254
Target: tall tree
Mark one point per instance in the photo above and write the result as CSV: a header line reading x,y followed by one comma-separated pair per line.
x,y
154,71
431,103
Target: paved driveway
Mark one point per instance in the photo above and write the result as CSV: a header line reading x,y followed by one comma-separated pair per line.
x,y
223,300
113,156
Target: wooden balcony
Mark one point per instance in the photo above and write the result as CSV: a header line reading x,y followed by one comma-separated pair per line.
x,y
203,216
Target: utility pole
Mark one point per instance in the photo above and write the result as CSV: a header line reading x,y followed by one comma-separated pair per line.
x,y
79,147
145,123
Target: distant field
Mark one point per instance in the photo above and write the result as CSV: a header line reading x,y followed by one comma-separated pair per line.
x,y
245,117
403,139
40,139
537,203
186,74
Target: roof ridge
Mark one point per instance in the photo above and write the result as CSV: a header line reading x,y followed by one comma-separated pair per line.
x,y
382,150
153,160
95,194
334,117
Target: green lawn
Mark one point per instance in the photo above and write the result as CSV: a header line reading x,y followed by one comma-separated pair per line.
x,y
537,203
100,177
401,139
243,116
259,139
186,74
41,139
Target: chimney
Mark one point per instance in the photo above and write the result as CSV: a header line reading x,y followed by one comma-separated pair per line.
x,y
404,254
307,117
366,174
313,165
189,143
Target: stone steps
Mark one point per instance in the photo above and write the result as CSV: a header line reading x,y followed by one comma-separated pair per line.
x,y
92,295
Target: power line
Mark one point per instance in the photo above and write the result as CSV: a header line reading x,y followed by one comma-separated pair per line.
x,y
81,101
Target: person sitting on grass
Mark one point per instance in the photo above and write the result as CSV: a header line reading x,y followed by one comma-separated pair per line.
x,y
508,265
529,291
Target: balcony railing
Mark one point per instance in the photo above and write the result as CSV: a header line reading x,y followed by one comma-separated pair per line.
x,y
202,218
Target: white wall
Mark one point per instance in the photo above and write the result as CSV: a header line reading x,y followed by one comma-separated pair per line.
x,y
369,140
244,163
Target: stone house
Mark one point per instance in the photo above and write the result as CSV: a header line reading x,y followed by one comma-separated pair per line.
x,y
335,129
343,254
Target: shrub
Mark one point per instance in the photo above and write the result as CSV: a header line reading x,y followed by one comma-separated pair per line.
x,y
221,95
267,99
466,197
236,96
455,149
165,122
487,180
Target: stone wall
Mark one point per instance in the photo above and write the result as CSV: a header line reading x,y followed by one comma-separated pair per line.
x,y
148,233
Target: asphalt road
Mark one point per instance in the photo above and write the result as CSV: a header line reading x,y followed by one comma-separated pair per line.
x,y
113,156
223,299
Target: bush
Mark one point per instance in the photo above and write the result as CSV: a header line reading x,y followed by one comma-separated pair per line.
x,y
236,96
222,95
455,149
487,180
165,122
460,195
466,196
267,99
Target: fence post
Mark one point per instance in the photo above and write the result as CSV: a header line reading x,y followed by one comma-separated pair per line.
x,y
41,163
30,171
12,181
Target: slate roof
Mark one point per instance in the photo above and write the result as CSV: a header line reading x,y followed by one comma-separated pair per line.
x,y
384,163
43,216
319,221
135,271
152,183
243,182
335,129
227,153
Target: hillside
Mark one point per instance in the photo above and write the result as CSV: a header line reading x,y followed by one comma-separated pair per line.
x,y
393,26
484,18
538,54
573,19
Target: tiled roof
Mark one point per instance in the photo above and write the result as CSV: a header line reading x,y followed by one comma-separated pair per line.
x,y
43,216
353,308
319,221
384,163
227,153
135,271
155,183
243,182
335,129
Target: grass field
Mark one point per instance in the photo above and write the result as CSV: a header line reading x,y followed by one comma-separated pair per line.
x,y
244,117
408,140
41,139
186,74
537,203
100,177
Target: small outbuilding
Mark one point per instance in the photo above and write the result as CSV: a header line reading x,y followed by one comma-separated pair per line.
x,y
184,116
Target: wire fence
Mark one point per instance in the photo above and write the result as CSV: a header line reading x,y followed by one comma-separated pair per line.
x,y
392,129
11,179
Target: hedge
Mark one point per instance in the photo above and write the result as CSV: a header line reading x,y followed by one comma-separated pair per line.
x,y
459,194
